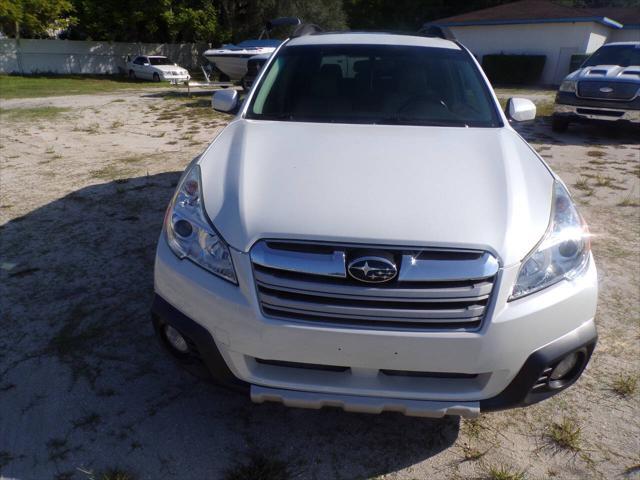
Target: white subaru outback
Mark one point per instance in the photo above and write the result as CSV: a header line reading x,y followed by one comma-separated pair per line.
x,y
370,233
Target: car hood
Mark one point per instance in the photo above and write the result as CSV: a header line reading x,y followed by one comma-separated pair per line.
x,y
480,188
607,72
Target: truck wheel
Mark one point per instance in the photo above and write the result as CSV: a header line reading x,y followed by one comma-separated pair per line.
x,y
132,75
156,77
559,124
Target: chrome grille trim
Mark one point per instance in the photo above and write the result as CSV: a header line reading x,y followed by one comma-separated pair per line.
x,y
427,270
329,264
436,289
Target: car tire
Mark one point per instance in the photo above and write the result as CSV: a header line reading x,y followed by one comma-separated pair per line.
x,y
559,124
132,75
156,77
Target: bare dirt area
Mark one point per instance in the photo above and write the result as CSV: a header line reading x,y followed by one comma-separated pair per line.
x,y
86,392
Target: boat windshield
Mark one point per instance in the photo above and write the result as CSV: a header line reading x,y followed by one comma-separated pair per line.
x,y
259,43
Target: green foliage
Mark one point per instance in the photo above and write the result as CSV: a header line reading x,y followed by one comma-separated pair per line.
x,y
513,69
34,18
241,20
146,21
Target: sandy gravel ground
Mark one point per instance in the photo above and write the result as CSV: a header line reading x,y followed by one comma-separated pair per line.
x,y
85,392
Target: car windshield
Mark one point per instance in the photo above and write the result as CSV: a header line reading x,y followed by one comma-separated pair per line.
x,y
379,84
160,61
621,55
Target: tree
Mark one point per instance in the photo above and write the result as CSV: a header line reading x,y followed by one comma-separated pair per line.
x,y
147,21
242,19
34,18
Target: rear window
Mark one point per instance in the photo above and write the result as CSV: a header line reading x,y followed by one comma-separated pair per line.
x,y
374,84
160,61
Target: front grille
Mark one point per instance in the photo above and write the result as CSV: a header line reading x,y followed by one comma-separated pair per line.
x,y
612,90
434,289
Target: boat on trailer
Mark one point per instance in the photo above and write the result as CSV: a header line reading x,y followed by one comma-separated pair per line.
x,y
232,59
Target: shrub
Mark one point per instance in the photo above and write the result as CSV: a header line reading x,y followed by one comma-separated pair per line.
x,y
513,69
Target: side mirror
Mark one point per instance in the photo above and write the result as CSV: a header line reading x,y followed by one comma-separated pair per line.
x,y
520,109
225,101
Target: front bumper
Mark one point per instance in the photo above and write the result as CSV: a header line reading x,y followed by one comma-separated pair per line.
x,y
574,108
493,368
175,78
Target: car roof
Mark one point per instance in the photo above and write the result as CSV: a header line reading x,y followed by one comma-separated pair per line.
x,y
372,38
155,56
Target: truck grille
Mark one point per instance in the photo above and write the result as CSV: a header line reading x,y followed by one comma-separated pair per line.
x,y
612,90
434,289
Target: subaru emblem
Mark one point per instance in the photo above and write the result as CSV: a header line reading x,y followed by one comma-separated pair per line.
x,y
372,269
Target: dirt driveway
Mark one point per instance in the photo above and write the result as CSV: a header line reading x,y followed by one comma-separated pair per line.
x,y
85,392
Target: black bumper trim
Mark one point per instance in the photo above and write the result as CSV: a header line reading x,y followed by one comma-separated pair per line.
x,y
519,392
568,98
207,362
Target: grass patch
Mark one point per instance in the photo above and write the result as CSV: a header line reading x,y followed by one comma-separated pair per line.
x,y
88,422
30,114
596,154
602,181
502,472
112,474
259,467
58,449
629,202
625,385
30,86
5,458
565,434
472,454
582,184
109,172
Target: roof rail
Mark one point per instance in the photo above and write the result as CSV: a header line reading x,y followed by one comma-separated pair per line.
x,y
306,29
437,31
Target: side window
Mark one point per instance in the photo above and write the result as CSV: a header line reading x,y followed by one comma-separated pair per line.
x,y
138,61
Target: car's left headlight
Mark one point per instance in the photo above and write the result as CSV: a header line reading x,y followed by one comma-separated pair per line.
x,y
568,86
563,252
190,233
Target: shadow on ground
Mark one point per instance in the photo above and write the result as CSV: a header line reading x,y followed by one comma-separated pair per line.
x,y
84,387
580,134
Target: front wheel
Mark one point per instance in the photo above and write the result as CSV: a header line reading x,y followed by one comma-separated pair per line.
x,y
559,124
132,75
156,77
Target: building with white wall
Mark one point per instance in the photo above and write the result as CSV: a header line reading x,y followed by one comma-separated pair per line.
x,y
542,27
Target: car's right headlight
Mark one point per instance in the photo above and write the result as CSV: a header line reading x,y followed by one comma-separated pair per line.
x,y
189,232
563,252
568,86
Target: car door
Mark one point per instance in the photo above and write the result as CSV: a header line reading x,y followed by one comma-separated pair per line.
x,y
141,69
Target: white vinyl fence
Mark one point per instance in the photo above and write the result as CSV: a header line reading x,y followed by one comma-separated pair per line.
x,y
26,56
